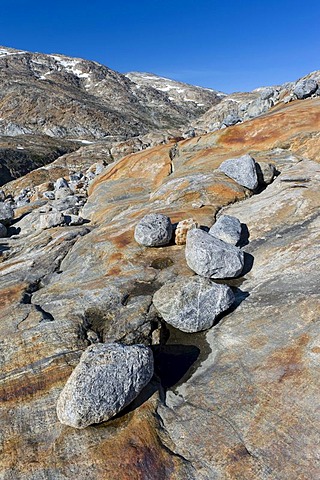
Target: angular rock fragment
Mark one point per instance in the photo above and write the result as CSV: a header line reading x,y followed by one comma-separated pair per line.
x,y
3,231
192,304
182,229
242,170
227,228
305,88
49,220
266,172
63,193
153,230
108,377
6,213
61,183
212,258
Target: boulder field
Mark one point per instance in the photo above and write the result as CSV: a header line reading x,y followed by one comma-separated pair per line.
x,y
238,401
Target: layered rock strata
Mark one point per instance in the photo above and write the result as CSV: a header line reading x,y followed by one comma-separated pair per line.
x,y
241,410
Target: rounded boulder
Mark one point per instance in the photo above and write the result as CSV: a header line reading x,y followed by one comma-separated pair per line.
x,y
192,304
212,258
107,379
153,230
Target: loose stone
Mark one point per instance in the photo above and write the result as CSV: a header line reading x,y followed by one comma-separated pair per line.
x,y
212,258
227,228
192,304
6,213
242,170
305,88
108,378
49,220
182,229
153,230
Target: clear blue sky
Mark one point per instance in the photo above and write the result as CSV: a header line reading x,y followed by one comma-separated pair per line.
x,y
227,45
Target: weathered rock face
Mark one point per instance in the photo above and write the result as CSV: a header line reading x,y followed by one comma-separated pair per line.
x,y
247,404
242,412
107,378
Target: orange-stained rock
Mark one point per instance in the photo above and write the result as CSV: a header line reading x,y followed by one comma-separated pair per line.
x,y
182,229
247,406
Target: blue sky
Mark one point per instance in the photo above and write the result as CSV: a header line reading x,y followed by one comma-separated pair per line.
x,y
230,45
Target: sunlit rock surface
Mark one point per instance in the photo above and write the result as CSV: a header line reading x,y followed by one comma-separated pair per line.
x,y
248,406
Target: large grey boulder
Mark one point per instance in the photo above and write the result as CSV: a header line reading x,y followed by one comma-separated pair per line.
x,y
153,230
242,170
108,377
212,258
63,193
3,231
227,228
6,213
305,88
192,304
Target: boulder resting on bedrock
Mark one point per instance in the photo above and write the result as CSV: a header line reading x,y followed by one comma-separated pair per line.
x,y
227,228
212,258
305,88
192,304
108,377
153,230
243,170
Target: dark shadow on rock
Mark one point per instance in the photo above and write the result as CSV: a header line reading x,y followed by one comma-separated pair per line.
x,y
240,295
4,248
248,263
245,235
171,365
172,362
13,231
143,396
204,228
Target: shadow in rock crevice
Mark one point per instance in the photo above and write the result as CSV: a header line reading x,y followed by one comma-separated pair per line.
x,y
4,248
248,263
244,236
172,364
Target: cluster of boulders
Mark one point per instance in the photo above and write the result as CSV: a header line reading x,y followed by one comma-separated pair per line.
x,y
110,376
193,304
64,200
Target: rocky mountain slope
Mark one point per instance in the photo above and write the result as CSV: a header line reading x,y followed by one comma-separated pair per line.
x,y
241,106
188,96
237,401
74,98
66,101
